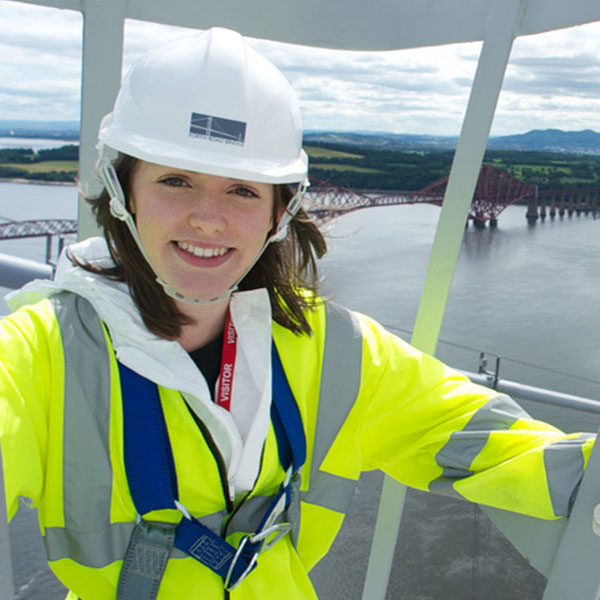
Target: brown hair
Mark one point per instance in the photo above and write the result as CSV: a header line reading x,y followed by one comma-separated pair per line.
x,y
286,269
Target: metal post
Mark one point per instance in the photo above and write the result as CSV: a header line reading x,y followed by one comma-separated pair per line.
x,y
499,35
6,578
48,249
101,77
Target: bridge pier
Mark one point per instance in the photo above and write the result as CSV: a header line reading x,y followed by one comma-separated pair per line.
x,y
578,204
561,206
542,202
587,206
532,213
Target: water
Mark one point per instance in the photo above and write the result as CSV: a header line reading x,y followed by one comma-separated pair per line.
x,y
34,143
527,294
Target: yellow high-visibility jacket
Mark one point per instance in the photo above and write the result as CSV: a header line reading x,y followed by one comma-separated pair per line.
x,y
367,399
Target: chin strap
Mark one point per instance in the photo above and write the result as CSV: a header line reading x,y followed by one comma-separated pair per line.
x,y
118,209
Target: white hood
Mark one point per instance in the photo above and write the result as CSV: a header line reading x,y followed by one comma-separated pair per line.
x,y
240,434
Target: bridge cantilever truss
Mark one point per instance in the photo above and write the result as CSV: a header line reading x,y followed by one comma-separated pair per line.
x,y
495,190
37,228
47,228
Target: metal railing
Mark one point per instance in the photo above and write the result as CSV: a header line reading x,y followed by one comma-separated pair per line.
x,y
16,272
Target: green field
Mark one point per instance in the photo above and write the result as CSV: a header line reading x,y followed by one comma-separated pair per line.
x,y
337,167
318,152
538,169
45,166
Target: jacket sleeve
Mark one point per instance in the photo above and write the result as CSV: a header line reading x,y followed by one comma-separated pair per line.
x,y
30,385
432,428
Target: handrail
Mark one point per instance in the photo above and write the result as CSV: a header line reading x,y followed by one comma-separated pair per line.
x,y
15,271
537,394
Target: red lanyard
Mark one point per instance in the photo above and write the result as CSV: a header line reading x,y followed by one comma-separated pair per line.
x,y
227,364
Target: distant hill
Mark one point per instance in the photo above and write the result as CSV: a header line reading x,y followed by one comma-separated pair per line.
x,y
548,140
59,130
382,140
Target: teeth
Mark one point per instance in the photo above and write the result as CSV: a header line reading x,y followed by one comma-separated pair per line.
x,y
202,252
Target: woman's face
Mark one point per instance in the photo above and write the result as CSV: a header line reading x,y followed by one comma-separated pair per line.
x,y
201,232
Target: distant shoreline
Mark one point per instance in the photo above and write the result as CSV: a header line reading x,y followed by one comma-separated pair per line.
x,y
35,181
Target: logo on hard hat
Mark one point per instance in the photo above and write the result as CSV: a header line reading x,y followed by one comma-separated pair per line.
x,y
218,129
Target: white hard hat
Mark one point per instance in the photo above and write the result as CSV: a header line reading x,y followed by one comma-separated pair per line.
x,y
209,103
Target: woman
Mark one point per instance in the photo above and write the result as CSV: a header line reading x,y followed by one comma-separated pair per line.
x,y
188,415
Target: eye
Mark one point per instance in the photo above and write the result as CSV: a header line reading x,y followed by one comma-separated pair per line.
x,y
244,192
173,181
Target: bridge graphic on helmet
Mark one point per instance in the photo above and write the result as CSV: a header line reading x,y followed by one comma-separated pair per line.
x,y
218,129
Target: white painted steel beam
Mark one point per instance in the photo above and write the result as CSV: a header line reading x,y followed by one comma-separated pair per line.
x,y
101,77
503,20
349,24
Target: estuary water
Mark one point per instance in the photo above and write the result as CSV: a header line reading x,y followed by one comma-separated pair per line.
x,y
527,294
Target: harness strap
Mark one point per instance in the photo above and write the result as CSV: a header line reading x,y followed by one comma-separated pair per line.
x,y
152,481
143,421
289,431
145,561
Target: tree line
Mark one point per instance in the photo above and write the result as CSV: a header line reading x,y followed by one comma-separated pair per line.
x,y
377,169
28,155
10,158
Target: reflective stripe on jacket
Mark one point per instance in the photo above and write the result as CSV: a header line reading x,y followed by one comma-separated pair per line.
x,y
367,400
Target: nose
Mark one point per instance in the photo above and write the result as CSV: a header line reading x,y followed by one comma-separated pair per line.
x,y
206,213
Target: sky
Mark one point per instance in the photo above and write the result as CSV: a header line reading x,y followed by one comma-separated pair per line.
x,y
553,79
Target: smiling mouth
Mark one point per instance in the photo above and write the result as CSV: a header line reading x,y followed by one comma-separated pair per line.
x,y
202,252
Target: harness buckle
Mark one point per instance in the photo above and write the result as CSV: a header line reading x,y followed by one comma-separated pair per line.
x,y
280,530
251,564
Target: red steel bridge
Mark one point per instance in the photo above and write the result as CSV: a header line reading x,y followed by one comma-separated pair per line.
x,y
495,190
47,228
37,228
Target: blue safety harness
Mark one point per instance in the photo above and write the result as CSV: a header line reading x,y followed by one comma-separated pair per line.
x,y
152,482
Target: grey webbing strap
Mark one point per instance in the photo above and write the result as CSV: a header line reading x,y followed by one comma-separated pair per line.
x,y
293,510
145,561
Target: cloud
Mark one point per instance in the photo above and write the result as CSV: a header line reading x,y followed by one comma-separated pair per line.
x,y
553,79
35,28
